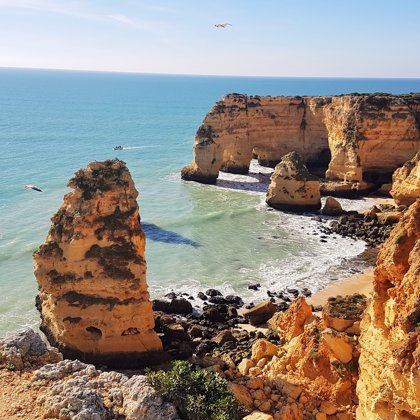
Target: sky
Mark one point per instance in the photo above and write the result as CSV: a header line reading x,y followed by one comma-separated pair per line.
x,y
303,38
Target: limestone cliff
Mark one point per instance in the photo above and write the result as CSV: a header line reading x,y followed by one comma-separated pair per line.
x,y
356,139
406,182
292,187
389,382
91,270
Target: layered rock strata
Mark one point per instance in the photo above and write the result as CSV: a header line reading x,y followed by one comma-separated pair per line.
x,y
406,182
389,383
91,271
292,187
355,140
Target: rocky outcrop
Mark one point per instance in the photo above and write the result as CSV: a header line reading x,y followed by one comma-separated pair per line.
x,y
406,182
292,187
91,271
389,383
312,372
355,140
26,349
75,390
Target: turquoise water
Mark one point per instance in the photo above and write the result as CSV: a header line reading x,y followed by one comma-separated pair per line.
x,y
55,122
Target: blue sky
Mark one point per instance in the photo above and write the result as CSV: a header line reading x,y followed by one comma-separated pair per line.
x,y
355,38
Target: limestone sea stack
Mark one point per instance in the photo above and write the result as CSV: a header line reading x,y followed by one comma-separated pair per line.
x,y
389,381
406,182
91,272
356,141
292,187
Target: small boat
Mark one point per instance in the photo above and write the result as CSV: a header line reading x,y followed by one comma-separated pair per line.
x,y
117,147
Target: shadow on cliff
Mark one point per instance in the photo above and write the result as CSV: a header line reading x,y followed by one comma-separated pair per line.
x,y
260,184
155,233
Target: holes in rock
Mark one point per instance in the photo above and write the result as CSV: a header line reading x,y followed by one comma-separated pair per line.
x,y
130,331
95,332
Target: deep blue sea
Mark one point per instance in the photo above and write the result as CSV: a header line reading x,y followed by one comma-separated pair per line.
x,y
54,122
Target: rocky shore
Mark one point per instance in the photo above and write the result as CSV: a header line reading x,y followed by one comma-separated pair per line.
x,y
281,358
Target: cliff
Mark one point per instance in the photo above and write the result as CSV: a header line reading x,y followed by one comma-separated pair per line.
x,y
406,182
355,139
389,383
91,271
292,187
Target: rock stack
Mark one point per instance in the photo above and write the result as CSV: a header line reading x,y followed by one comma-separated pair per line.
x,y
292,187
91,272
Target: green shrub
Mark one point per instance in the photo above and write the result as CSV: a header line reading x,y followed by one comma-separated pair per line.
x,y
198,394
10,366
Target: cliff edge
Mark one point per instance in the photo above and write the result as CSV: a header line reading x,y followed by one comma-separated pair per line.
x,y
358,139
389,381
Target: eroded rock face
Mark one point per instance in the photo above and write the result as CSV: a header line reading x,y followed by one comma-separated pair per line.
x,y
389,383
357,139
406,182
292,187
91,271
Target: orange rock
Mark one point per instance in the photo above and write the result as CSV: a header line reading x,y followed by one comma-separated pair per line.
x,y
389,383
255,383
327,407
242,394
245,365
91,271
358,138
339,344
290,323
406,182
262,348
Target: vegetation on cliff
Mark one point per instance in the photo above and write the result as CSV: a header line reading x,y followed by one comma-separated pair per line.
x,y
197,393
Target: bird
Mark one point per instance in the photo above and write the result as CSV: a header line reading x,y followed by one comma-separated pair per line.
x,y
32,187
222,25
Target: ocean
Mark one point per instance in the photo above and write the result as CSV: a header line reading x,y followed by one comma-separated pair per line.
x,y
54,122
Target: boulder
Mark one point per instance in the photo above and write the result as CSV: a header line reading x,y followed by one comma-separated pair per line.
x,y
223,337
262,348
332,207
339,344
26,349
242,394
292,187
261,313
290,323
340,313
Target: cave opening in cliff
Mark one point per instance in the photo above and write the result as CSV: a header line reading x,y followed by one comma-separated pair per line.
x,y
318,165
379,176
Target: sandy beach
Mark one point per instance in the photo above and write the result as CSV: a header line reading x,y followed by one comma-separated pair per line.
x,y
359,283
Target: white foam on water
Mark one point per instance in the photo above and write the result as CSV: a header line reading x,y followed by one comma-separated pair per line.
x,y
309,262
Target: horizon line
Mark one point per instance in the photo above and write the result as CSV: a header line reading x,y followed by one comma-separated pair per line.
x,y
200,75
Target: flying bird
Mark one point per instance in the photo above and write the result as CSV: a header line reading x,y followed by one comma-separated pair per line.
x,y
32,187
222,25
